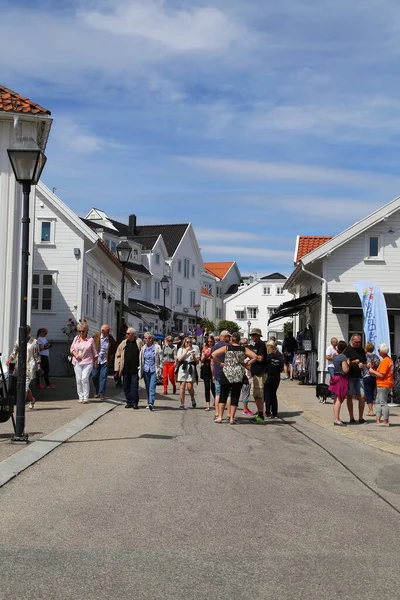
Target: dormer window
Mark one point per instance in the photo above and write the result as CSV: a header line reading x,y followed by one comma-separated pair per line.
x,y
374,247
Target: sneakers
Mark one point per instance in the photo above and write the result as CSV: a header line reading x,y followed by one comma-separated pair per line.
x,y
194,403
182,407
41,386
150,407
246,411
102,396
50,386
257,419
96,396
32,404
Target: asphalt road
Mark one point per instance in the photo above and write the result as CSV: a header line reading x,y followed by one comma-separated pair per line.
x,y
169,505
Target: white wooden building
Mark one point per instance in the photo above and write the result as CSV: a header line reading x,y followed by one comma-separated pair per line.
x,y
253,304
221,279
19,117
323,279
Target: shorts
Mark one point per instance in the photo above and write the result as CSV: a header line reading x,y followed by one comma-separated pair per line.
x,y
288,359
257,385
356,387
217,384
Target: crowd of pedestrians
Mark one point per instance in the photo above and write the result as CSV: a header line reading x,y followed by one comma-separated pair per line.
x,y
358,373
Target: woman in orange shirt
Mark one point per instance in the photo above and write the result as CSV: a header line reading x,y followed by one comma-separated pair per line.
x,y
384,383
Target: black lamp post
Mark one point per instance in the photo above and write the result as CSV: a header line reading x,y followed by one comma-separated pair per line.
x,y
124,251
196,310
27,161
164,285
248,328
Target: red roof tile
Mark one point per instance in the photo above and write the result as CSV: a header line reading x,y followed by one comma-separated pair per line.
x,y
206,292
308,243
12,102
218,269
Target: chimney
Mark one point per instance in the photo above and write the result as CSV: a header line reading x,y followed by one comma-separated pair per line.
x,y
132,224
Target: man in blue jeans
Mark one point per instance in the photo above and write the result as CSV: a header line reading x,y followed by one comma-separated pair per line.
x,y
105,346
127,365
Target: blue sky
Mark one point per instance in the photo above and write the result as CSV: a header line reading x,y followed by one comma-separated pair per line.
x,y
254,120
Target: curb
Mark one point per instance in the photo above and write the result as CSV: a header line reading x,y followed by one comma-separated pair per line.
x,y
15,464
345,431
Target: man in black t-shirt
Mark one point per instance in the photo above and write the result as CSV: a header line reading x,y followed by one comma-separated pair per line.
x,y
357,361
127,365
258,375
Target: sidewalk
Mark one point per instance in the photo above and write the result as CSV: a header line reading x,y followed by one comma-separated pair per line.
x,y
53,408
302,399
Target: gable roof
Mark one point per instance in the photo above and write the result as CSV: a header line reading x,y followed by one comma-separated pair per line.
x,y
308,243
353,231
205,292
218,269
12,102
114,259
274,276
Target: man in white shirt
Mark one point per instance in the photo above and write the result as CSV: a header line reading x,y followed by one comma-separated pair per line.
x,y
331,351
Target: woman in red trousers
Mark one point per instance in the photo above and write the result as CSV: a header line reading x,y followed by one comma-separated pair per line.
x,y
169,358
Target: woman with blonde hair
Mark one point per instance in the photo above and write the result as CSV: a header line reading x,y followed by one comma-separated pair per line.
x,y
84,353
187,359
150,367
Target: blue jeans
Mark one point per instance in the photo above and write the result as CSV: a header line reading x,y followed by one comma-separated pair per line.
x,y
369,387
131,389
150,381
99,376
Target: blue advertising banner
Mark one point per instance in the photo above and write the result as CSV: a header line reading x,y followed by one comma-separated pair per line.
x,y
376,322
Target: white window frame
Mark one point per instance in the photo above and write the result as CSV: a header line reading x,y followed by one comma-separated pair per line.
x,y
193,270
279,290
91,294
40,221
186,268
266,290
252,310
218,291
240,315
380,255
135,254
271,310
157,288
41,286
179,266
192,298
178,295
218,312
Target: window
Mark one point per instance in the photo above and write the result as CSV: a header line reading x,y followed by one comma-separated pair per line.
x,y
179,295
113,247
157,290
157,259
266,291
218,313
252,312
356,326
91,299
218,292
167,290
42,291
179,266
204,309
46,231
271,310
186,267
193,270
207,286
279,290
192,298
239,314
135,254
374,247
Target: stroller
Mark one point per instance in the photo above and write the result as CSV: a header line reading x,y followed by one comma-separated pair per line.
x,y
6,401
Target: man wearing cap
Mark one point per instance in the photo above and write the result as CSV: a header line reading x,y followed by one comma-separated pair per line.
x,y
216,369
258,373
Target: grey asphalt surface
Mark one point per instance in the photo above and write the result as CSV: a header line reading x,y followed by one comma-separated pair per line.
x,y
170,505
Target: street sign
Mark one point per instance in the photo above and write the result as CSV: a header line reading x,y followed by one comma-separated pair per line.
x,y
199,331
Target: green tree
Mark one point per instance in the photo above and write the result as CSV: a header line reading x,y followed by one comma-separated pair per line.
x,y
287,328
231,326
206,323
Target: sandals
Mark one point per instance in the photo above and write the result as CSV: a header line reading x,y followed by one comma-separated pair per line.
x,y
207,408
219,421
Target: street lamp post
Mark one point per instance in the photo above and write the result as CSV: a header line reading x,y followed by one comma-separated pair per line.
x,y
248,328
196,309
124,251
164,285
27,161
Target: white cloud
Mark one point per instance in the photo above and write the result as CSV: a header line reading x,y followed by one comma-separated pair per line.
x,y
76,137
269,171
190,30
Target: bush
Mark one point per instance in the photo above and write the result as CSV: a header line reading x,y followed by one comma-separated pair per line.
x,y
206,323
231,326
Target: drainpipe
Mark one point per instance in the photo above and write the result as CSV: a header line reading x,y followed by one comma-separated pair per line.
x,y
322,331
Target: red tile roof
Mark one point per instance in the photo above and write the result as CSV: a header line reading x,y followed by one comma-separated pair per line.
x,y
12,102
218,269
308,243
206,292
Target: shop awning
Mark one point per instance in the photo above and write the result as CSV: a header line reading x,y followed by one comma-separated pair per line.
x,y
127,309
292,307
349,302
239,308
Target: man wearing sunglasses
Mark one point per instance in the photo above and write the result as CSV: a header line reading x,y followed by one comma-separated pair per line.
x,y
357,361
126,365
